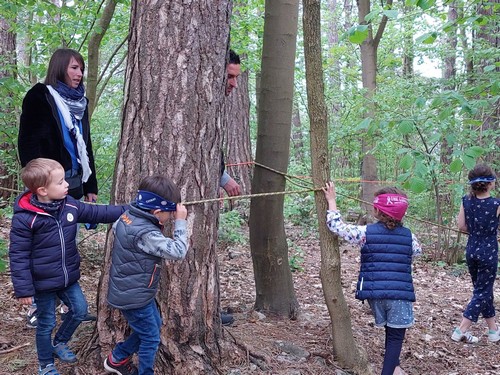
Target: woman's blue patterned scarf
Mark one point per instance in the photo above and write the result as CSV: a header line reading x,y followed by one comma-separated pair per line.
x,y
74,99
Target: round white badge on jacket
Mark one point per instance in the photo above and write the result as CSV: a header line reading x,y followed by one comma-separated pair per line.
x,y
70,217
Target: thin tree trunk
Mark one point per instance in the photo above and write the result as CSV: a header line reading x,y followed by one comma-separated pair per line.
x,y
273,278
8,162
369,50
173,100
344,346
93,53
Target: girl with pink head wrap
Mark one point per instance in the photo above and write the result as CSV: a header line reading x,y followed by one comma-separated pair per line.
x,y
385,280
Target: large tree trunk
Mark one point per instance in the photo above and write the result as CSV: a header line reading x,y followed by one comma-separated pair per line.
x,y
344,347
173,97
273,278
238,149
8,162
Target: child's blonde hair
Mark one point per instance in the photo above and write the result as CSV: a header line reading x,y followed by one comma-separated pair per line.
x,y
36,173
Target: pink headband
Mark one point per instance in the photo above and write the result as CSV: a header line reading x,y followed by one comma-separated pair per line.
x,y
394,205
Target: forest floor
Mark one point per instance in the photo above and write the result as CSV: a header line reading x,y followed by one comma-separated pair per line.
x,y
298,347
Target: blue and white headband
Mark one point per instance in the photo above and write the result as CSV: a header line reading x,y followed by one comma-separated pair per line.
x,y
151,201
482,179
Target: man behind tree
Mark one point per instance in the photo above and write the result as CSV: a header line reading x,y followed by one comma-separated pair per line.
x,y
233,70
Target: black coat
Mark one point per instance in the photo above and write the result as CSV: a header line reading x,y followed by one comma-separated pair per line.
x,y
41,134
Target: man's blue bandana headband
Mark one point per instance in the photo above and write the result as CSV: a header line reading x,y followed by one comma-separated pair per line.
x,y
482,179
151,201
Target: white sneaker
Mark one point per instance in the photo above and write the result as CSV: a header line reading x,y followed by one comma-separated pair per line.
x,y
494,336
464,336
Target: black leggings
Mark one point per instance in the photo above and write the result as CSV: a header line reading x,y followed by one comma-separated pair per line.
x,y
393,343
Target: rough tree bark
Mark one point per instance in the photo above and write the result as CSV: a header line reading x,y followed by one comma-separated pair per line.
x,y
173,97
344,347
238,148
273,278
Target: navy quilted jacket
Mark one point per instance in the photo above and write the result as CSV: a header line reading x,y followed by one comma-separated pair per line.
x,y
43,253
386,264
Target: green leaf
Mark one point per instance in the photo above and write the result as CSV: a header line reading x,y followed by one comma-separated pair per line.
x,y
425,4
427,38
392,14
420,102
370,16
363,125
489,68
358,34
456,166
406,162
469,161
405,127
445,113
417,184
474,151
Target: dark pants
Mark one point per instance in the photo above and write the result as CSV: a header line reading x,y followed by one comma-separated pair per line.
x,y
393,343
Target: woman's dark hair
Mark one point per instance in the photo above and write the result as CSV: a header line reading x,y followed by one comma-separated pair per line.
x,y
58,65
388,221
480,170
162,186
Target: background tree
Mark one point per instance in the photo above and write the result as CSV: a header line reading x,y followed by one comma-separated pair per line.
x,y
172,102
369,50
344,347
8,118
273,279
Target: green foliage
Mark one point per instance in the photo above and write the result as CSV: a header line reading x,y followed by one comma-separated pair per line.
x,y
231,228
300,210
296,257
3,254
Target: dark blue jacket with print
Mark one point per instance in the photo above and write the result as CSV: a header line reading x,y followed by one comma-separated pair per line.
x,y
43,252
386,264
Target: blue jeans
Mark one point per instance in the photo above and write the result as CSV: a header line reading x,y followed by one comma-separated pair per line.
x,y
73,297
144,339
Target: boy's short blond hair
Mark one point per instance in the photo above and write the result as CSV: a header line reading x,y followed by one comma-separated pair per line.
x,y
36,173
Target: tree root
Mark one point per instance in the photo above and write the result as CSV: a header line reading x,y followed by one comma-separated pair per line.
x,y
261,360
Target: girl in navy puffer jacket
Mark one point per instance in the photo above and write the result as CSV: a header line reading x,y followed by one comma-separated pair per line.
x,y
385,279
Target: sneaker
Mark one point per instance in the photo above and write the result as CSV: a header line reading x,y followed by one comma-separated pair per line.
x,y
494,336
50,369
125,367
31,317
463,336
64,353
226,319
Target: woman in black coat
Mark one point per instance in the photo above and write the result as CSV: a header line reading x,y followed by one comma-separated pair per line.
x,y
55,123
